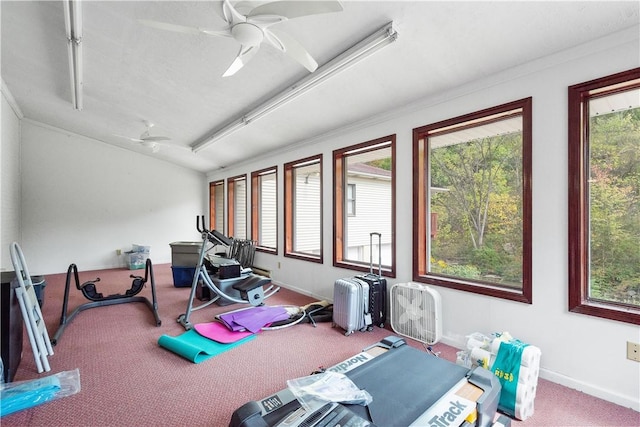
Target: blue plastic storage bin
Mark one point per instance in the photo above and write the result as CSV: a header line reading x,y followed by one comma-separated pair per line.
x,y
183,276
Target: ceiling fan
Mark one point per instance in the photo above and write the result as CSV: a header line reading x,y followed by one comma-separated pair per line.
x,y
254,27
146,139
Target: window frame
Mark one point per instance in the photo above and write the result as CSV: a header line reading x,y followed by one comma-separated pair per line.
x,y
289,200
421,210
231,204
214,187
256,213
578,195
339,208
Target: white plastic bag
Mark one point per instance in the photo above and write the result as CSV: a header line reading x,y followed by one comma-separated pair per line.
x,y
315,390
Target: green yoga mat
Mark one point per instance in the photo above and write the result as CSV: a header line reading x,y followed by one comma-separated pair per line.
x,y
196,348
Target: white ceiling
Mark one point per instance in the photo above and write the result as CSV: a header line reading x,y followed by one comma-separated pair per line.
x,y
134,73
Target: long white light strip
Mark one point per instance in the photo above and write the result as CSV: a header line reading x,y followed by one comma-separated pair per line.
x,y
383,37
73,26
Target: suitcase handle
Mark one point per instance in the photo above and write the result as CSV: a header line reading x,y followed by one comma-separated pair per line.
x,y
379,253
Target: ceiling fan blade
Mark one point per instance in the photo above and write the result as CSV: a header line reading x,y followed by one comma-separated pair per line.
x,y
183,29
231,15
244,56
155,138
245,6
220,11
221,33
295,9
283,41
264,21
129,138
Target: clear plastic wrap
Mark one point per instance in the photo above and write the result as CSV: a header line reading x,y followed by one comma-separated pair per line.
x,y
315,390
20,395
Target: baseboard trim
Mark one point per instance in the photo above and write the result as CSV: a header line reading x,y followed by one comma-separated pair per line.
x,y
590,389
299,290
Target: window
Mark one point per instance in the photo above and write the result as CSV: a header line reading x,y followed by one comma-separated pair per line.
x,y
472,177
604,197
237,207
351,200
303,209
216,205
369,167
264,209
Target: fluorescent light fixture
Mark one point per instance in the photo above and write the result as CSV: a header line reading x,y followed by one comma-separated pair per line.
x,y
73,26
383,37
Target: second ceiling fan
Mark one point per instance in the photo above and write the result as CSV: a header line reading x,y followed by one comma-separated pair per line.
x,y
253,27
152,142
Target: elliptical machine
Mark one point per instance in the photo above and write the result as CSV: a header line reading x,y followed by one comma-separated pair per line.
x,y
250,288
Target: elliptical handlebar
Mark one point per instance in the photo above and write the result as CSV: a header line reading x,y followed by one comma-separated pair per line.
x,y
213,236
203,229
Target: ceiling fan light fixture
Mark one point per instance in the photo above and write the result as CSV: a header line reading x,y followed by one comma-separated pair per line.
x,y
247,34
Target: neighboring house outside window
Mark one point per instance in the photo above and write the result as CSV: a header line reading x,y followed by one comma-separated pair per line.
x,y
368,167
474,172
264,209
237,207
604,197
303,209
216,205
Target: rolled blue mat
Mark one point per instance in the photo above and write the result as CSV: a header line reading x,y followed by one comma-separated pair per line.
x,y
196,348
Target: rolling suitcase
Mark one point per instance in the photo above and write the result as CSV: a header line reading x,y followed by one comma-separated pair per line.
x,y
351,305
377,286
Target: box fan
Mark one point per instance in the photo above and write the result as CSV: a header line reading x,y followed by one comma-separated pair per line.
x,y
416,312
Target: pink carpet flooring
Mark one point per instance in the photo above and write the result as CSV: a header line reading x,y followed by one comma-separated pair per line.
x,y
128,380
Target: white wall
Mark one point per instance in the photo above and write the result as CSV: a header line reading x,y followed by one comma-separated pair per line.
x,y
83,199
9,177
579,351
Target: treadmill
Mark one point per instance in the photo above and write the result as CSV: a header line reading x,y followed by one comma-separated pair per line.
x,y
408,386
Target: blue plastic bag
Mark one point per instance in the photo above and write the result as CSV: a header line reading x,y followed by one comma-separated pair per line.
x,y
21,395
